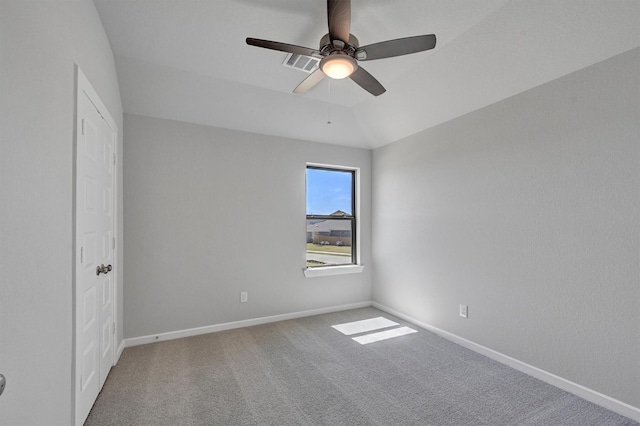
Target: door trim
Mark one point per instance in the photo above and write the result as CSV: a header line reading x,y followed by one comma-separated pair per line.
x,y
84,87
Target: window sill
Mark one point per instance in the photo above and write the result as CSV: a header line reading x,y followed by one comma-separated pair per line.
x,y
332,270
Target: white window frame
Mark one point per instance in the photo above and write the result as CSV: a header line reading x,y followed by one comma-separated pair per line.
x,y
340,269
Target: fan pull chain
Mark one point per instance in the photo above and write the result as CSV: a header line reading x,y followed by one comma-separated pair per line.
x,y
329,105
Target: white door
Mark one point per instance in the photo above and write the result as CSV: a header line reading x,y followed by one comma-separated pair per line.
x,y
94,293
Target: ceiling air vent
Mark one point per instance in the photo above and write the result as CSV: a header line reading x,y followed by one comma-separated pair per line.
x,y
301,62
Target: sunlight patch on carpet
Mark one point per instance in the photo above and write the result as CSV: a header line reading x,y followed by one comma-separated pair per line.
x,y
384,335
364,326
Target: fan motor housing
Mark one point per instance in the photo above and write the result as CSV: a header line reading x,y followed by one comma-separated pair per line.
x,y
350,48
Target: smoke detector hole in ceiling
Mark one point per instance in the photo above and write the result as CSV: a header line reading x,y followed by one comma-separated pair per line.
x,y
301,62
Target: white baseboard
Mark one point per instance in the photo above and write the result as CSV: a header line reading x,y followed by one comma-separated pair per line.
x,y
135,341
119,351
557,381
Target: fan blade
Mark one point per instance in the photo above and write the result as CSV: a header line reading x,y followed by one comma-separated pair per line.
x,y
367,82
339,19
283,47
397,47
313,79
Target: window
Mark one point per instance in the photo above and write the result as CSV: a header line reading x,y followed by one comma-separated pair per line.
x,y
331,216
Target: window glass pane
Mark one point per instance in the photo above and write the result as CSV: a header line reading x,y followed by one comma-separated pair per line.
x,y
329,192
329,242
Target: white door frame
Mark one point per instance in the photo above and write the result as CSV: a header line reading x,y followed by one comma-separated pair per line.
x,y
84,87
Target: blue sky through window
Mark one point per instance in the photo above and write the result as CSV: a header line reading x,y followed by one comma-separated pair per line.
x,y
328,191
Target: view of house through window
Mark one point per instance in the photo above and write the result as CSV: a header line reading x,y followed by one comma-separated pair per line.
x,y
331,220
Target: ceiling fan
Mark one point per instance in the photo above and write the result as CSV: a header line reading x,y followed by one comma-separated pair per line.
x,y
340,51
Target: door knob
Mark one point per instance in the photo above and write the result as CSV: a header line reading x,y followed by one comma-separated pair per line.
x,y
103,269
3,383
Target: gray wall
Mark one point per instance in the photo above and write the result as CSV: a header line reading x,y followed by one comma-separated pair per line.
x,y
527,211
40,41
211,212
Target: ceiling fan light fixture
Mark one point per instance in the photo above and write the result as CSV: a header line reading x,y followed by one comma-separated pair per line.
x,y
338,66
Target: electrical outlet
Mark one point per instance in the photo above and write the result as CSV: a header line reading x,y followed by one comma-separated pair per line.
x,y
464,310
244,296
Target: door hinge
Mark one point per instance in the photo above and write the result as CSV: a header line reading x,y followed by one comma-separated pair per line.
x,y
114,158
114,328
114,243
82,130
81,257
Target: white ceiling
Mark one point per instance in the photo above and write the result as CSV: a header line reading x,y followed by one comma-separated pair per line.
x,y
187,60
